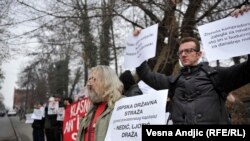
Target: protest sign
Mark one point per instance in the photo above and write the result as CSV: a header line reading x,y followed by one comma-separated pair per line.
x,y
28,118
38,114
140,48
226,38
132,112
60,114
53,107
72,115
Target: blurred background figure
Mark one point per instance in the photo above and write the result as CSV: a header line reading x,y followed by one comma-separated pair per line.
x,y
38,125
59,124
67,101
50,123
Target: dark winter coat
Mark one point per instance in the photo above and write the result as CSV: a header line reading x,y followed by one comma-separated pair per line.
x,y
38,124
133,91
194,99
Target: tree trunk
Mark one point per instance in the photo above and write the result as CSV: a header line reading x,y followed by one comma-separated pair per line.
x,y
105,36
166,58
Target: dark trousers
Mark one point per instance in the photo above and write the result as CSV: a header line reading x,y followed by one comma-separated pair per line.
x,y
38,135
58,135
52,134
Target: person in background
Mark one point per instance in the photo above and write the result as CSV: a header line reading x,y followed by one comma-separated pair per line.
x,y
67,101
21,113
131,87
59,124
194,97
104,89
38,126
50,124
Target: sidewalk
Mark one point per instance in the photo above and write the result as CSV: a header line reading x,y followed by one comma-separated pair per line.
x,y
23,130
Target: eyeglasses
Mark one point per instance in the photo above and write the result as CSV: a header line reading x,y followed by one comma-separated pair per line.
x,y
186,51
92,78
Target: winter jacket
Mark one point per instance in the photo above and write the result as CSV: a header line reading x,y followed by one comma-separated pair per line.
x,y
101,125
50,120
38,124
133,91
194,98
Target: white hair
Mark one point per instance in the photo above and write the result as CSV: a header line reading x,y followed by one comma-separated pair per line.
x,y
109,81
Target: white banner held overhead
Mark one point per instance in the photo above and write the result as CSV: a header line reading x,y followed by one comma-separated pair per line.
x,y
132,112
226,38
140,48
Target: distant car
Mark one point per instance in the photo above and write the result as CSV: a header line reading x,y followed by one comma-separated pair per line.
x,y
11,112
2,113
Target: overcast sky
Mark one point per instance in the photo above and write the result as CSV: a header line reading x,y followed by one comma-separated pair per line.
x,y
17,48
11,70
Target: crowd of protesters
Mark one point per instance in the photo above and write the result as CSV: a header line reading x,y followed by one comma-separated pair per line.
x,y
48,126
104,87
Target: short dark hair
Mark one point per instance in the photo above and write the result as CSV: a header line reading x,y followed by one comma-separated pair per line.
x,y
191,39
41,103
38,103
69,99
57,96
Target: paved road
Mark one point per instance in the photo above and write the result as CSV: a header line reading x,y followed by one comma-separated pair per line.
x,y
12,129
7,132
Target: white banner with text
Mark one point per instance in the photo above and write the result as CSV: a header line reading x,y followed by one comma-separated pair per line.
x,y
226,38
140,48
131,113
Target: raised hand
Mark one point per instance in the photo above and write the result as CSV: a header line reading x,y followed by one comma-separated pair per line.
x,y
240,11
137,31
